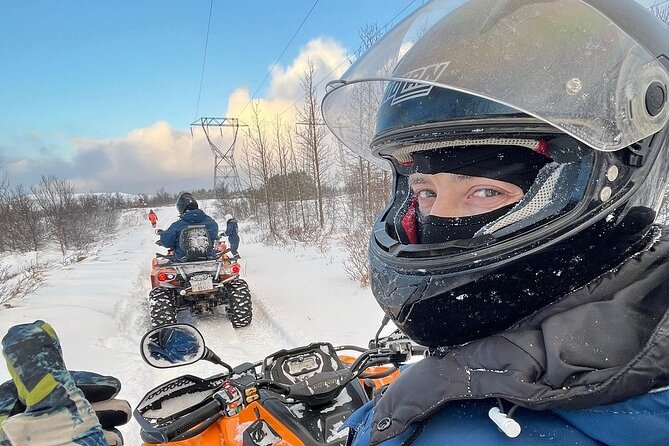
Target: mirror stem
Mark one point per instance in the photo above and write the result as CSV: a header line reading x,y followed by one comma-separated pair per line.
x,y
213,357
384,322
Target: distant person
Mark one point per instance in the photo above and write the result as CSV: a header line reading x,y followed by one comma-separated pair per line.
x,y
189,215
232,235
153,218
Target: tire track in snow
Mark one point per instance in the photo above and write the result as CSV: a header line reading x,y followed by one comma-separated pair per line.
x,y
263,336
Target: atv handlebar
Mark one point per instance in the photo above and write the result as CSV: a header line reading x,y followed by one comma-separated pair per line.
x,y
315,388
325,386
206,414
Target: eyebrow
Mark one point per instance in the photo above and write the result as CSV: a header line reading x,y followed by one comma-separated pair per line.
x,y
415,179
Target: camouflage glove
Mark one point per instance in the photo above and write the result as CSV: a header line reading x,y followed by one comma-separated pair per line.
x,y
45,404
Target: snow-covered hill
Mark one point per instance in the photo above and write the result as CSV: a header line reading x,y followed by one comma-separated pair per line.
x,y
99,307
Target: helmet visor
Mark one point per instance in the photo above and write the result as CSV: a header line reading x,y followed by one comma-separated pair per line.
x,y
560,61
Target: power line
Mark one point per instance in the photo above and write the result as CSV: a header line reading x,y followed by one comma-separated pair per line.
x,y
357,52
279,58
204,59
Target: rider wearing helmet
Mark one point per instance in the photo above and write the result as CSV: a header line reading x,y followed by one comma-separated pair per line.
x,y
189,215
232,233
529,148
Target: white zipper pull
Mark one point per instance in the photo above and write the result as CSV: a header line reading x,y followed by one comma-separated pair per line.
x,y
507,425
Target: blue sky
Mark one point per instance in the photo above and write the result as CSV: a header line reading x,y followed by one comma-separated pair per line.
x,y
97,70
94,90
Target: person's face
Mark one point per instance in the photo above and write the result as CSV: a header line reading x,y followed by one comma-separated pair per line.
x,y
451,195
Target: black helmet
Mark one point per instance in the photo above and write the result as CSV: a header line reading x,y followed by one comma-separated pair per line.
x,y
566,99
186,202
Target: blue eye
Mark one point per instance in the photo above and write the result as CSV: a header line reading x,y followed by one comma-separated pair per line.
x,y
426,193
486,193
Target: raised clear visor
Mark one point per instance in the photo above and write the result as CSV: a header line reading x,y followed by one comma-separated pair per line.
x,y
560,61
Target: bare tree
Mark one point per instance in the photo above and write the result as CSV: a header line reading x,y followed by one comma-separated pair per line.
x,y
311,135
282,155
247,168
56,200
97,216
300,192
367,185
261,160
26,228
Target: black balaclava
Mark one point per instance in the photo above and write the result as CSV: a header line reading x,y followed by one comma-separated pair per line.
x,y
511,164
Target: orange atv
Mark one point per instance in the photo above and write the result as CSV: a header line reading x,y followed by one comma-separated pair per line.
x,y
198,282
297,397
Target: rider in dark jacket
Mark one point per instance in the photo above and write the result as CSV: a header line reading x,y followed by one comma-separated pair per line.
x,y
529,147
231,232
189,214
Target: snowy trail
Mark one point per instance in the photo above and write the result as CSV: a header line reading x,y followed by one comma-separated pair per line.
x,y
99,309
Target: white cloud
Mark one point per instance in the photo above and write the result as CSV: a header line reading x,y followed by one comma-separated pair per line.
x,y
142,161
329,59
159,156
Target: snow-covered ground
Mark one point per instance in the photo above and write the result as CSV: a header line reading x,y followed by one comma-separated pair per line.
x,y
98,307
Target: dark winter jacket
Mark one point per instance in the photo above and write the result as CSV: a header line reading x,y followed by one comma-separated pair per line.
x,y
580,372
231,231
642,420
170,237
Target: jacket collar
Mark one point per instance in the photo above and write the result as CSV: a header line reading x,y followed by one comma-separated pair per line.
x,y
605,342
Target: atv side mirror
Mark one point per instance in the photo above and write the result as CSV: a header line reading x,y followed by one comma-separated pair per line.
x,y
172,345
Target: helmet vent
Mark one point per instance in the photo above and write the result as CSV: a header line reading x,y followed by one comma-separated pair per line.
x,y
403,154
656,97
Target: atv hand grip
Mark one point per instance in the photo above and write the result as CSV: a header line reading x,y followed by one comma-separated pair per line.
x,y
191,420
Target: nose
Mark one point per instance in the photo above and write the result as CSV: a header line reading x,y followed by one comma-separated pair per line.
x,y
446,204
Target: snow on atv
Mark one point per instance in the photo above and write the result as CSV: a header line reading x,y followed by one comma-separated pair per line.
x,y
198,282
293,397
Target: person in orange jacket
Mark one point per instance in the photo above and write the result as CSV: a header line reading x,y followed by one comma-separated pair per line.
x,y
153,218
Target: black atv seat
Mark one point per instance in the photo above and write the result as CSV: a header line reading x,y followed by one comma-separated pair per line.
x,y
194,241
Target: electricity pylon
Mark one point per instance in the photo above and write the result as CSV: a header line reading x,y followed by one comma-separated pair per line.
x,y
226,176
